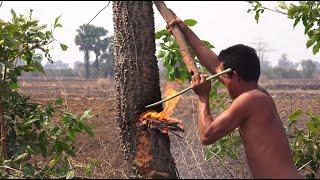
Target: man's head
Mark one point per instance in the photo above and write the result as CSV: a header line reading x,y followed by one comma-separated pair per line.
x,y
245,64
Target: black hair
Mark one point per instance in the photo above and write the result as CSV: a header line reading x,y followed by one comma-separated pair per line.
x,y
242,59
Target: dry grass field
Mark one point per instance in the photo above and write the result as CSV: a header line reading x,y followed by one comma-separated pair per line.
x,y
103,150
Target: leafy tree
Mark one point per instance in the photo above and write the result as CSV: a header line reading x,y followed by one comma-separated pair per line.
x,y
305,12
107,59
92,38
308,68
285,63
170,54
85,39
27,130
100,45
305,143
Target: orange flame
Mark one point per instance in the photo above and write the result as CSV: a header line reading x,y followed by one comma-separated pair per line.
x,y
169,105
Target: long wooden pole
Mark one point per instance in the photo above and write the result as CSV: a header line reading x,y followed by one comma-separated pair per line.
x,y
188,88
185,53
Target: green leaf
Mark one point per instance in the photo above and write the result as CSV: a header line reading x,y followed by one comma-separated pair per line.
x,y
88,129
296,21
293,117
60,146
59,101
161,54
172,60
63,47
43,144
310,42
316,48
209,45
88,170
208,153
308,27
14,86
86,115
48,34
72,134
282,5
58,25
256,17
56,22
163,32
13,14
190,22
39,66
70,174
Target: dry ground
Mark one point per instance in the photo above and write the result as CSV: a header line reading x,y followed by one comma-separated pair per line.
x,y
103,150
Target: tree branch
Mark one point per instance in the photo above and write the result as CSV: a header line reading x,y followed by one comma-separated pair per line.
x,y
181,41
275,10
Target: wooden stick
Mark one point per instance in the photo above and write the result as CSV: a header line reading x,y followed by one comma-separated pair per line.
x,y
188,88
185,53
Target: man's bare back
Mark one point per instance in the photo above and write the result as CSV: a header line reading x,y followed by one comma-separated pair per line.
x,y
266,144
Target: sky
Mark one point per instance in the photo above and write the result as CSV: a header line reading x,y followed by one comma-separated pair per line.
x,y
223,23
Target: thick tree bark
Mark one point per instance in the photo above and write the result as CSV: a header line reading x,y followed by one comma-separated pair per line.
x,y
137,85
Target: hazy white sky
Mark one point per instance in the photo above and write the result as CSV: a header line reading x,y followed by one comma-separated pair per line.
x,y
220,22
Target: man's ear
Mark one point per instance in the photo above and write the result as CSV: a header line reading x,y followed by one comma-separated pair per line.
x,y
236,76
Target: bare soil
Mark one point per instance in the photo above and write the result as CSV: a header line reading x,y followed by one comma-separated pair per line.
x,y
103,150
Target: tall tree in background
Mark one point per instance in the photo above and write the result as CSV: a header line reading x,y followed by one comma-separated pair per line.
x,y
308,68
262,49
89,39
84,39
100,44
137,85
107,59
285,63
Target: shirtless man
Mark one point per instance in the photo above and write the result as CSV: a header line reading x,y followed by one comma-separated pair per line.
x,y
252,111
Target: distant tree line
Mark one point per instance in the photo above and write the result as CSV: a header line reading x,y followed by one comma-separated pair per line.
x,y
89,38
289,70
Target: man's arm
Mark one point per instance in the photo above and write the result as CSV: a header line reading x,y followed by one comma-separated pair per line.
x,y
206,56
211,130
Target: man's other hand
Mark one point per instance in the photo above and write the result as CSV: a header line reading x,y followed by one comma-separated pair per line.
x,y
201,86
176,21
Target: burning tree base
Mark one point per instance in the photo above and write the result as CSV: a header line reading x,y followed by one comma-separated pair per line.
x,y
153,120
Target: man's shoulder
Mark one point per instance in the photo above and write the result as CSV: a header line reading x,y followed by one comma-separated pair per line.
x,y
254,97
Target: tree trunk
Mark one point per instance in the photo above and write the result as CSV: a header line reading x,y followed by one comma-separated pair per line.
x,y
96,63
86,62
137,85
